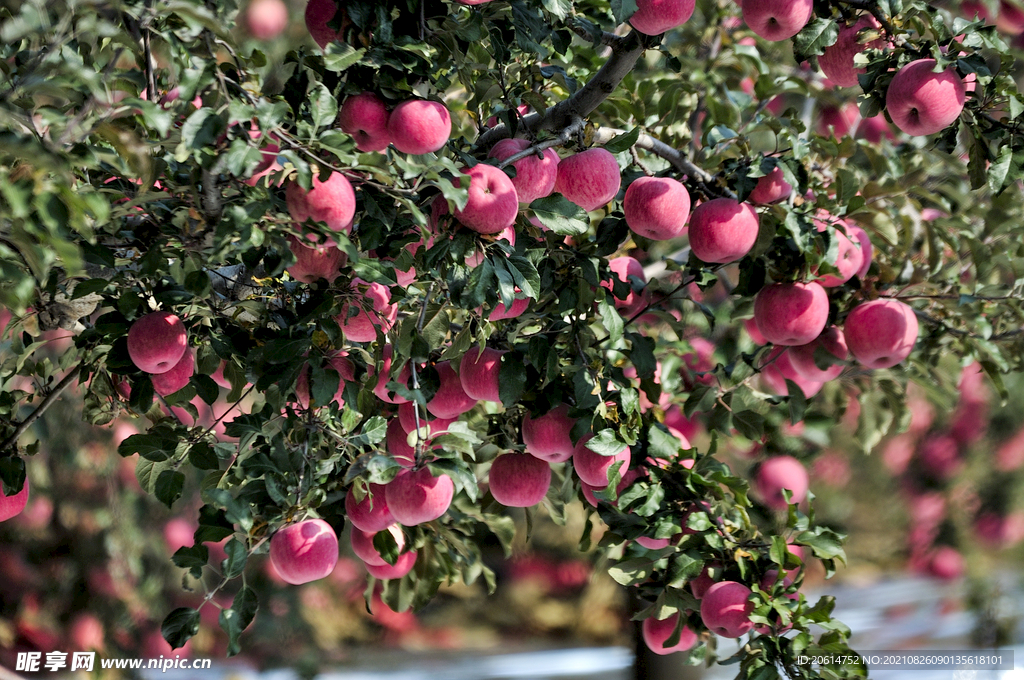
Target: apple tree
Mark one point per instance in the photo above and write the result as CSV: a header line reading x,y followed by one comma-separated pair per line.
x,y
420,262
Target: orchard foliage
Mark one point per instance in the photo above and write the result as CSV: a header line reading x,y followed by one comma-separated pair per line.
x,y
152,157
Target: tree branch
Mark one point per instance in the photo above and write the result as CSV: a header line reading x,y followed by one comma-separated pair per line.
x,y
562,139
41,409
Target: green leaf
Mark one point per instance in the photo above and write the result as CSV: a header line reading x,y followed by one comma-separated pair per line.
x,y
169,485
322,105
511,378
620,143
749,424
193,558
818,34
234,565
149,446
606,443
611,319
561,215
180,626
236,619
339,56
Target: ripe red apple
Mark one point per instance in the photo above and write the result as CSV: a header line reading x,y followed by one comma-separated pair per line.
x,y
547,437
332,202
406,561
346,373
370,514
940,456
156,342
407,417
848,261
478,373
397,442
875,129
1010,18
417,496
653,17
778,473
305,551
801,357
501,312
791,313
837,62
318,14
881,333
173,380
755,335
11,506
866,250
365,117
450,400
946,563
657,207
657,631
778,369
593,468
699,586
313,264
380,388
725,609
419,126
590,179
623,268
519,480
922,102
363,325
86,633
265,19
493,203
776,20
771,188
535,175
723,230
362,544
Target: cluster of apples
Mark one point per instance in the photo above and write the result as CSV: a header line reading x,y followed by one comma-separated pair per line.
x,y
158,345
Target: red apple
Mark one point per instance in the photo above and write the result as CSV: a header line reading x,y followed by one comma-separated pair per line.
x,y
406,561
624,268
397,442
86,633
922,102
362,544
419,126
771,188
346,373
837,62
450,400
547,437
657,207
265,19
590,179
791,313
380,388
363,325
778,473
755,335
801,357
416,496
305,551
593,468
501,312
881,333
940,456
848,261
519,480
725,609
156,342
653,17
318,14
778,369
11,506
776,20
946,563
407,417
627,479
313,264
173,380
479,371
332,202
723,230
535,175
866,250
365,117
657,631
493,203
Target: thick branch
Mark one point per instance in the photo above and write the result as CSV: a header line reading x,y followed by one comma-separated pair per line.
x,y
41,409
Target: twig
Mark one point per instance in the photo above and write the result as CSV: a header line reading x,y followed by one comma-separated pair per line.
x,y
563,138
41,409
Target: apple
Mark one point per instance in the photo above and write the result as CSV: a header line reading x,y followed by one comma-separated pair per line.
x,y
318,14
535,175
755,335
547,437
419,126
939,455
1010,18
86,633
657,207
866,250
881,333
875,129
304,551
699,585
653,17
1010,453
778,369
479,371
370,514
590,179
493,203
404,564
726,607
171,381
417,496
365,117
837,62
265,19
776,20
778,473
156,342
838,122
946,563
588,490
380,388
624,268
772,188
501,312
922,102
519,480
362,544
450,400
656,633
848,261
407,417
11,506
332,202
345,370
723,230
397,442
801,357
791,313
314,263
593,468
362,327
